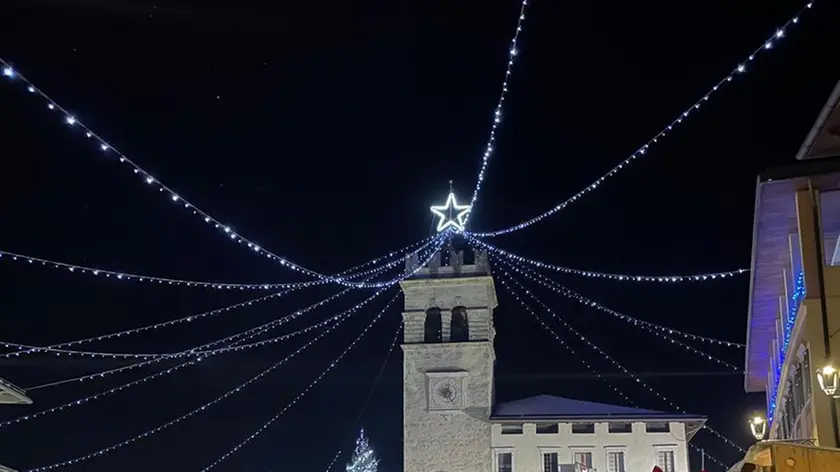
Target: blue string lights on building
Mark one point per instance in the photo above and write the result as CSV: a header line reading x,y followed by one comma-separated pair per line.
x,y
787,327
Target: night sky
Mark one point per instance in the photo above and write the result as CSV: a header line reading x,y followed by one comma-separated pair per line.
x,y
323,131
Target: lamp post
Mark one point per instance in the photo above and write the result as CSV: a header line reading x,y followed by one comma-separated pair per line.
x,y
828,377
758,427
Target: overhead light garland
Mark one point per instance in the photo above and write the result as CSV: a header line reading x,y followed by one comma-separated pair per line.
x,y
127,276
199,353
149,180
740,69
507,278
59,349
569,348
250,333
202,351
372,388
196,356
660,330
306,390
77,269
209,404
609,276
564,343
489,146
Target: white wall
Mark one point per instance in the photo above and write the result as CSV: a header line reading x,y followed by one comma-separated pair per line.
x,y
639,446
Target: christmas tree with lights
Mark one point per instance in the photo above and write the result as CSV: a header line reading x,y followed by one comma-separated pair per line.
x,y
364,459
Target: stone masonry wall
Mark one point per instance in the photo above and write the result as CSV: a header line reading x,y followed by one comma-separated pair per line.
x,y
451,441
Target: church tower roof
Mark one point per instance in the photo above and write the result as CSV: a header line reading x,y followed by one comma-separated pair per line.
x,y
449,263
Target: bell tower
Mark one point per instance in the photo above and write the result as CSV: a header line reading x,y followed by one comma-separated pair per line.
x,y
448,361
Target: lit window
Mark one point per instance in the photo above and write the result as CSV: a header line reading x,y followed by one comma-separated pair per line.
x,y
665,460
550,463
615,461
583,460
504,462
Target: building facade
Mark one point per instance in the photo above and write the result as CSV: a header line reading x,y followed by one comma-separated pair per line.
x,y
451,422
548,434
794,311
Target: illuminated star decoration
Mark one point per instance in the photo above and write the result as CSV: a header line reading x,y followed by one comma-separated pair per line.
x,y
445,212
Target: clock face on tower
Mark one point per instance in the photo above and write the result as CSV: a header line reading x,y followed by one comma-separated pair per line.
x,y
446,393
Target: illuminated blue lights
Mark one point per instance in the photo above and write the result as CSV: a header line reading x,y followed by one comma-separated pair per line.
x,y
795,300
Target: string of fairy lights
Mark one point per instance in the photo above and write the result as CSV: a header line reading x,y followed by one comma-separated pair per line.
x,y
235,341
127,276
229,393
200,353
566,292
355,278
767,46
489,146
59,349
262,428
610,276
660,331
372,389
195,358
174,197
577,355
506,279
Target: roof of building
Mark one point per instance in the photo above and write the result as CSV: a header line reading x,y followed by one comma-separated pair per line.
x,y
557,408
773,222
12,395
824,137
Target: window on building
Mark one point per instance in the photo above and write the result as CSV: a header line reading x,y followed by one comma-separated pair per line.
x,y
620,427
583,428
615,461
511,429
806,373
583,460
547,428
790,411
657,428
433,328
550,463
504,462
665,461
798,390
459,330
782,431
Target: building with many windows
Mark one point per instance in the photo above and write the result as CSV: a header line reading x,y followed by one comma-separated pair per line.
x,y
548,434
451,422
794,310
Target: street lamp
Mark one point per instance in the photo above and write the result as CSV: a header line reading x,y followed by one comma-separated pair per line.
x,y
758,427
828,378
